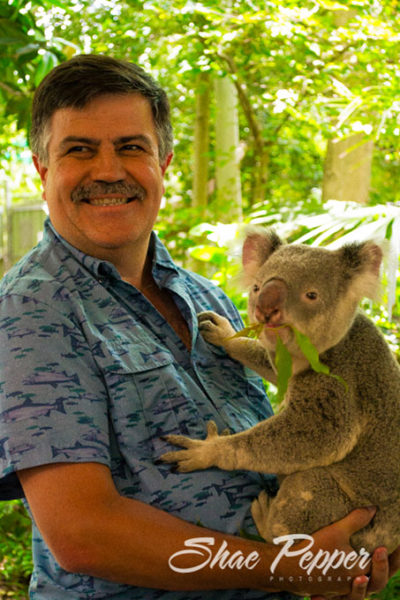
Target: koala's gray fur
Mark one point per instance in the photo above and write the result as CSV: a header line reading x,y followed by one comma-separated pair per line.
x,y
335,448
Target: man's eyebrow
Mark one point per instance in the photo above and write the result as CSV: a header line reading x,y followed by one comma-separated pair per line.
x,y
134,138
77,139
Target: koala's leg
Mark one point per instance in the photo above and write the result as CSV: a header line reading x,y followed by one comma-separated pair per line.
x,y
384,530
306,501
218,331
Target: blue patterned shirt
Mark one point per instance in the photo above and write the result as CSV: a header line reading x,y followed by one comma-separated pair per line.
x,y
91,372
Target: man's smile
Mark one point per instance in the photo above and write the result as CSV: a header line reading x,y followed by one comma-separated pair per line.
x,y
113,201
108,194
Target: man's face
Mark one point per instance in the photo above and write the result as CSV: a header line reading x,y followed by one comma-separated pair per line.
x,y
103,181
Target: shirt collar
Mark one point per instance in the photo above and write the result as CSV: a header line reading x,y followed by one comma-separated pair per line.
x,y
102,268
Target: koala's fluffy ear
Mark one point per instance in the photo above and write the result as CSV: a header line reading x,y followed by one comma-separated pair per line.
x,y
362,263
258,246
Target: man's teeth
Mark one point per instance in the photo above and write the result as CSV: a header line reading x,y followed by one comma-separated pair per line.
x,y
108,201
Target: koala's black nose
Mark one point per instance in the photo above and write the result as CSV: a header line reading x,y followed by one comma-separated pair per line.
x,y
270,303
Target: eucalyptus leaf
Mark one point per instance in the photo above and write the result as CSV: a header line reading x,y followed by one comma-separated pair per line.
x,y
283,363
311,354
283,360
252,331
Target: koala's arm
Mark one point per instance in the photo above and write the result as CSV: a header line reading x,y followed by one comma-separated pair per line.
x,y
218,331
313,431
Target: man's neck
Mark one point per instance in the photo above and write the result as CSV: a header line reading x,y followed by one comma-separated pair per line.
x,y
130,260
136,268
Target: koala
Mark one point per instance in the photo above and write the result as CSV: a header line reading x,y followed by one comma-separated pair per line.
x,y
335,443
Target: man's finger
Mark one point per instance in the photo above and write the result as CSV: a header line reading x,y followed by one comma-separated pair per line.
x,y
394,562
379,570
359,588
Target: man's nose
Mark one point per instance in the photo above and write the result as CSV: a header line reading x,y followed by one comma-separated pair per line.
x,y
107,166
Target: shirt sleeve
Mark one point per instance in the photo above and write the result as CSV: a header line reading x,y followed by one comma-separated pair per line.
x,y
53,403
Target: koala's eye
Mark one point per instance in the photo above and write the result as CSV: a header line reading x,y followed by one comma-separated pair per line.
x,y
256,288
312,295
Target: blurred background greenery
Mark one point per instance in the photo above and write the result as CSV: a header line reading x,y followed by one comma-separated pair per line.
x,y
285,114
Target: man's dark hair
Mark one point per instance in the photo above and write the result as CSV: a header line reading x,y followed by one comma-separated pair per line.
x,y
75,83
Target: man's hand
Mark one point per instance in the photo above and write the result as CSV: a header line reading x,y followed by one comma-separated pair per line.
x,y
336,582
383,567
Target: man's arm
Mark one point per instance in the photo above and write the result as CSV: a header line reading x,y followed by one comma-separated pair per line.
x,y
92,529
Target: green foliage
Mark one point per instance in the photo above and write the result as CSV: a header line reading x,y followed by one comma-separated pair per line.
x,y
25,57
391,591
215,247
15,550
303,74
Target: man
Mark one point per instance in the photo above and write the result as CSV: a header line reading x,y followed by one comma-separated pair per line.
x,y
101,356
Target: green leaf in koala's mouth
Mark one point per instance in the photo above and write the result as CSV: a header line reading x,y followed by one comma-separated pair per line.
x,y
252,331
283,363
283,360
311,354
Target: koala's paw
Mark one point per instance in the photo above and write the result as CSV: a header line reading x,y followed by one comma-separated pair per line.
x,y
214,328
198,454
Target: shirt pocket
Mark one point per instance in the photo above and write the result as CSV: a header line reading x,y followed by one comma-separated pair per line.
x,y
147,398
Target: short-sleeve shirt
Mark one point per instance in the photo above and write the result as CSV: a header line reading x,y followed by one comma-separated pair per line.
x,y
91,372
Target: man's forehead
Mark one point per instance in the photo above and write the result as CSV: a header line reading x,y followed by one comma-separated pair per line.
x,y
105,107
125,115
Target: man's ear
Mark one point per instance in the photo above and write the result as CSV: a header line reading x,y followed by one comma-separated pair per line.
x,y
166,162
40,168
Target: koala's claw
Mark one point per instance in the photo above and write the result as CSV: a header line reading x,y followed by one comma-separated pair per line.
x,y
214,328
198,453
207,320
260,513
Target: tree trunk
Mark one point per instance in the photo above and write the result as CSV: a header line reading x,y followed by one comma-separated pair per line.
x,y
201,144
347,171
260,149
227,173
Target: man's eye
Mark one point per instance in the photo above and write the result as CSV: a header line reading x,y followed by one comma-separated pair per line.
x,y
78,149
132,148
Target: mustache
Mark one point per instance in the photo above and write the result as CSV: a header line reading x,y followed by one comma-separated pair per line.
x,y
86,192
